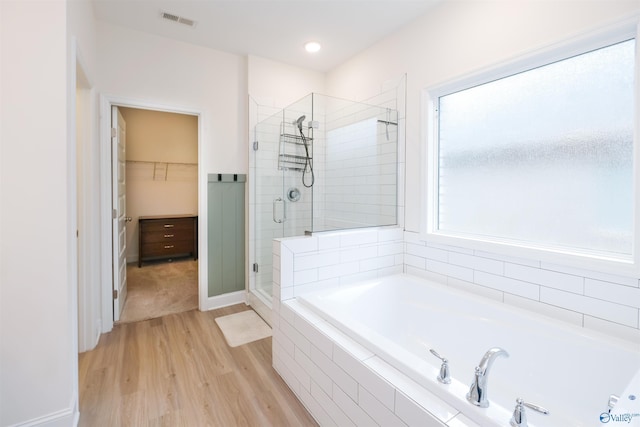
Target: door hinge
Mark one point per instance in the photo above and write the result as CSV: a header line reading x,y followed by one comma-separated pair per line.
x,y
255,267
115,294
114,132
114,215
255,145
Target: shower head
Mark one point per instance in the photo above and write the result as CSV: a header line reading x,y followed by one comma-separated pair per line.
x,y
298,122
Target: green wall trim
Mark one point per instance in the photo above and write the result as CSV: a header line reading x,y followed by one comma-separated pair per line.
x,y
225,236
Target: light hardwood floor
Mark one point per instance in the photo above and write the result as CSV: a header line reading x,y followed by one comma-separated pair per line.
x,y
178,370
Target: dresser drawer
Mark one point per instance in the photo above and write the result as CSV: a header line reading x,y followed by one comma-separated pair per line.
x,y
167,237
170,235
167,249
167,225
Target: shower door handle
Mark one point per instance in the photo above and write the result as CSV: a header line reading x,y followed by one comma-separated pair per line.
x,y
284,213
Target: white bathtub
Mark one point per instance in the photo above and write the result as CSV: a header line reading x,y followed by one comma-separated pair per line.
x,y
568,370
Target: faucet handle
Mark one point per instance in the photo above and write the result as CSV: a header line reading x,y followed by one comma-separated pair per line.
x,y
445,375
519,418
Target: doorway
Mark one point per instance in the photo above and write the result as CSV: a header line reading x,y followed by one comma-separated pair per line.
x,y
161,171
109,281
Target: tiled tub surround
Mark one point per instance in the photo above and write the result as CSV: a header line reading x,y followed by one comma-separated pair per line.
x,y
398,318
341,382
596,301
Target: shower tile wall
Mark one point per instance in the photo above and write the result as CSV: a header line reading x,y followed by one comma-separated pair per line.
x,y
599,301
359,172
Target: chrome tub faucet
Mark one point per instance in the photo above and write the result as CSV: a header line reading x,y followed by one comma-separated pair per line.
x,y
478,390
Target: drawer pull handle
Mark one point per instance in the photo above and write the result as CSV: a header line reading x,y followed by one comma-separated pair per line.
x,y
168,226
168,235
168,246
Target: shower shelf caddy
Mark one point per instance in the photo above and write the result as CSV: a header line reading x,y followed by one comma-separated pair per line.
x,y
292,155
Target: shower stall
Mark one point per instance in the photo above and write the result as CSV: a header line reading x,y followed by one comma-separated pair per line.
x,y
320,164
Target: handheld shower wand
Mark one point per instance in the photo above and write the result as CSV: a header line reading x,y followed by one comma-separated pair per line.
x,y
307,165
298,123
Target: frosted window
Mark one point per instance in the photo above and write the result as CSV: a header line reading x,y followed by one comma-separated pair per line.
x,y
543,156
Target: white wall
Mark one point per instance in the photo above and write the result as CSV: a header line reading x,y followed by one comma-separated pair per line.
x,y
458,38
81,30
39,356
152,70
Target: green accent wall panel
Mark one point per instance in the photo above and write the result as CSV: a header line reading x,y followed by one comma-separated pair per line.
x,y
226,240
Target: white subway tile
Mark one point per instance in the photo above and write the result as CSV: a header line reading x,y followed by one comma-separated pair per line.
x,y
359,277
461,273
314,335
286,268
298,372
509,259
506,284
338,270
313,260
415,261
356,238
547,278
427,252
377,410
357,253
413,414
543,309
391,248
377,262
389,271
613,329
450,248
304,312
275,247
388,234
476,289
461,421
345,342
336,414
413,390
305,276
315,409
286,293
613,312
605,277
612,292
301,244
413,237
376,385
287,313
353,411
328,241
477,263
292,333
283,341
336,373
427,275
316,374
282,368
315,286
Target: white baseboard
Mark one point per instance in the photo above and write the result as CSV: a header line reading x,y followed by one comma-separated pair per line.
x,y
62,418
224,300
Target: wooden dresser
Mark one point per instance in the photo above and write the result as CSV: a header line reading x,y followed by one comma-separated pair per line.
x,y
169,236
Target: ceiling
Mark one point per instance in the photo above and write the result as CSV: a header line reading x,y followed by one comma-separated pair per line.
x,y
274,29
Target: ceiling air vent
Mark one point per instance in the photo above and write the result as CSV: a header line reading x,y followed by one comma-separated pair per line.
x,y
179,19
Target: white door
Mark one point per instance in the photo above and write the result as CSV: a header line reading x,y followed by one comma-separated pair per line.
x,y
118,150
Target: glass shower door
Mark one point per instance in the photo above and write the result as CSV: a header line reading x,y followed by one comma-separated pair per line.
x,y
282,203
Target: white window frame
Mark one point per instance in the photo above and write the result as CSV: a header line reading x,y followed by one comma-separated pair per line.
x,y
627,266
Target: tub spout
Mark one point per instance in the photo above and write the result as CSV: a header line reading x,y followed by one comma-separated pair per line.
x,y
478,390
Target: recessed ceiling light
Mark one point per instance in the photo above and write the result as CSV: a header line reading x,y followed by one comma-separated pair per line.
x,y
312,47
